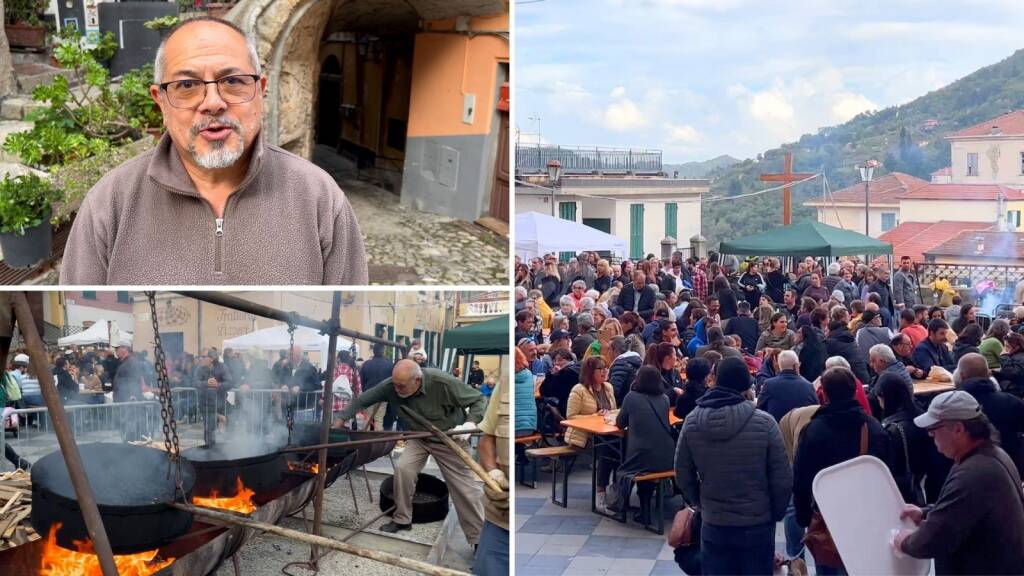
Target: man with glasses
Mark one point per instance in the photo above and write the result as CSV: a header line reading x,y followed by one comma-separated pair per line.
x,y
977,525
214,202
448,404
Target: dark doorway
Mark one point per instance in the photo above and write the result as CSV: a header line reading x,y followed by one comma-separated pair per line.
x,y
604,225
328,125
173,343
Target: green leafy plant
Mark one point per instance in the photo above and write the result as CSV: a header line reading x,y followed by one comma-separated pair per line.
x,y
25,201
162,23
75,179
80,122
24,11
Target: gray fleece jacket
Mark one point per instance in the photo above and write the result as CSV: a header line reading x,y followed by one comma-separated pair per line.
x,y
731,461
144,223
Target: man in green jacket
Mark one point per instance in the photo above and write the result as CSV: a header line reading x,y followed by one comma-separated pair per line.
x,y
448,404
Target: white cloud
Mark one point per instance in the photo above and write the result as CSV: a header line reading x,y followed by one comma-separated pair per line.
x,y
849,105
618,92
933,31
683,134
623,116
770,106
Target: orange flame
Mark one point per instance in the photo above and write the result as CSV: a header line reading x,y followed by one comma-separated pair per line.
x,y
303,467
240,502
59,561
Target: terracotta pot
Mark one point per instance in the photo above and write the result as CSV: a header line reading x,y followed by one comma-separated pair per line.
x,y
24,36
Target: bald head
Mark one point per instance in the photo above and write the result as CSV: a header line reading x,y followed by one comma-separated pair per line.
x,y
406,377
972,365
215,25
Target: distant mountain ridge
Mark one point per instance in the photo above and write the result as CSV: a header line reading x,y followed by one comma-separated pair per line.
x,y
907,138
700,169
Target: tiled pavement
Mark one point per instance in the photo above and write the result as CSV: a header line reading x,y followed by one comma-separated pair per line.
x,y
552,541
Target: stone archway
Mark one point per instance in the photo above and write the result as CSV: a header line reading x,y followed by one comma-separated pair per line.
x,y
288,34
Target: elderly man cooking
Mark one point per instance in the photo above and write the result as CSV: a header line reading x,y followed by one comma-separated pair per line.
x,y
214,202
443,400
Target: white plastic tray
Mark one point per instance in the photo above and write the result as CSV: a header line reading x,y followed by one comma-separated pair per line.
x,y
861,505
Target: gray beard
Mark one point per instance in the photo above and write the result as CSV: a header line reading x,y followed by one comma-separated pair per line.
x,y
221,155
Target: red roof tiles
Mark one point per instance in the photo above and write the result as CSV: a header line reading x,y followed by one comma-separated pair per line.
x,y
1010,124
886,190
962,192
914,239
982,244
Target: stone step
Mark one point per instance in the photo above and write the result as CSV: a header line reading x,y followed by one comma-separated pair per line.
x,y
17,107
30,57
41,75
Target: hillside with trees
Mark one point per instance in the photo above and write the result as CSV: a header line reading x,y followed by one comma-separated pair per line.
x,y
908,138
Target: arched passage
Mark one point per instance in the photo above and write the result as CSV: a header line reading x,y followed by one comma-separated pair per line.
x,y
328,115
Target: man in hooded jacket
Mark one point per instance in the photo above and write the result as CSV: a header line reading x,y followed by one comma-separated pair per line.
x,y
731,463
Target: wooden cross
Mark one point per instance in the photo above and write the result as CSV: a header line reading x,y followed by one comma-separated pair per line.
x,y
787,176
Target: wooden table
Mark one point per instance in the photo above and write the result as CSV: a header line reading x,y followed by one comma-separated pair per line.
x,y
929,387
604,434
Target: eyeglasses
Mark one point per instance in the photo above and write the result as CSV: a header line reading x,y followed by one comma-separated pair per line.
x,y
189,94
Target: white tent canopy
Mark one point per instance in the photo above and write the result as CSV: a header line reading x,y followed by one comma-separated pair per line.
x,y
99,333
276,338
538,234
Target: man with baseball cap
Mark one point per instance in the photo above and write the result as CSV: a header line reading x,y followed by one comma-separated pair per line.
x,y
977,525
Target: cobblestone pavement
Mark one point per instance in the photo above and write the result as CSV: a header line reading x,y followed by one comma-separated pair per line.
x,y
405,246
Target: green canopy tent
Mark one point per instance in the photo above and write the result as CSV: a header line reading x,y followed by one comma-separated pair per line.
x,y
808,238
487,338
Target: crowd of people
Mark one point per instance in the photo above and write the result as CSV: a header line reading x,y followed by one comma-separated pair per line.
x,y
777,374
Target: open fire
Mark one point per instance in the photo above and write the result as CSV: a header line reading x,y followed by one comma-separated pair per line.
x,y
240,502
59,561
304,467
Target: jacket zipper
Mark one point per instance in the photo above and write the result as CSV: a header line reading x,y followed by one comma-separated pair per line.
x,y
218,247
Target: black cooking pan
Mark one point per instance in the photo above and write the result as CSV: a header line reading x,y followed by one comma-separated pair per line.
x,y
260,467
132,486
308,434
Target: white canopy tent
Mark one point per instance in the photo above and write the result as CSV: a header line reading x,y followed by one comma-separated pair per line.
x,y
538,234
276,338
101,332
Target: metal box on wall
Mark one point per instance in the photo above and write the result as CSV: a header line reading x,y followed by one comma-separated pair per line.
x,y
137,44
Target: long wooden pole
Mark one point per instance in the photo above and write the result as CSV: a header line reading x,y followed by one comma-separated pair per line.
x,y
325,424
462,454
59,419
363,442
392,559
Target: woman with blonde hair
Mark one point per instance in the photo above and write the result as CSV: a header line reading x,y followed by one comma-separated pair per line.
x,y
551,284
593,395
603,280
600,347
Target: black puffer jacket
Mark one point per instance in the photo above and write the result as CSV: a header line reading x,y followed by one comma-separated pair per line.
x,y
840,342
1011,373
622,373
831,437
730,460
961,348
1006,413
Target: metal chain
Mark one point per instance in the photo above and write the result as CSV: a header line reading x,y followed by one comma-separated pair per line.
x,y
170,424
290,410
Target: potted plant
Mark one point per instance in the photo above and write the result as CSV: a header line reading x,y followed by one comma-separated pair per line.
x,y
162,25
26,205
22,24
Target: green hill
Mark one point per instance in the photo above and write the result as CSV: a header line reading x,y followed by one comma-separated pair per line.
x,y
904,138
700,169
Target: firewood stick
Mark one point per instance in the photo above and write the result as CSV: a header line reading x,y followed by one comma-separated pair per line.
x,y
10,504
391,559
462,454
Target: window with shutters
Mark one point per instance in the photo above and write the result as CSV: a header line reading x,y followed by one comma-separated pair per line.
x,y
671,219
566,211
636,231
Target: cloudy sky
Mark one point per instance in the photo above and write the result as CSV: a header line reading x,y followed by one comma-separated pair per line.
x,y
699,78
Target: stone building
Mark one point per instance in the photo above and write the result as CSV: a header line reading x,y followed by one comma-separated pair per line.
x,y
409,91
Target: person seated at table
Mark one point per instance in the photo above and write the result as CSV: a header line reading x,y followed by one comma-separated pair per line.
x,y
560,380
903,350
967,342
788,390
717,342
699,378
664,357
650,441
593,395
526,406
933,351
1011,365
778,336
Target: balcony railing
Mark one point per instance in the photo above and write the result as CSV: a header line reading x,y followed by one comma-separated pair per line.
x,y
483,308
534,159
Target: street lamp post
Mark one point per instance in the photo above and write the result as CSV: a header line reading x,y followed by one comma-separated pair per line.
x,y
554,173
867,170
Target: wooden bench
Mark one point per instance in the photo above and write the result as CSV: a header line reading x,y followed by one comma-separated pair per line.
x,y
566,455
659,501
521,443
